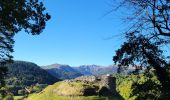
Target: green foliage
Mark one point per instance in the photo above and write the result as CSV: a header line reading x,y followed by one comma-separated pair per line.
x,y
3,72
124,85
39,87
137,87
16,15
5,94
22,92
9,97
148,33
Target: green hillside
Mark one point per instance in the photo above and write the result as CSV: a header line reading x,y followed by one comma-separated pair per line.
x,y
62,90
23,74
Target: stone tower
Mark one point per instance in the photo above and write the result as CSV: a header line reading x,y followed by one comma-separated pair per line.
x,y
109,82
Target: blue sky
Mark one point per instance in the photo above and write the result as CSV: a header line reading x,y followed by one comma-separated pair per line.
x,y
78,33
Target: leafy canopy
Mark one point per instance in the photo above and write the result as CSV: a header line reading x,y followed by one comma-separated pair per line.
x,y
16,15
146,38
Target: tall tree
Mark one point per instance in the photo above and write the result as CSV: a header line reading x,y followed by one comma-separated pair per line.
x,y
15,16
148,34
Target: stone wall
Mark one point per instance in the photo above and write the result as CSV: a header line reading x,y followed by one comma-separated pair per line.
x,y
109,82
86,78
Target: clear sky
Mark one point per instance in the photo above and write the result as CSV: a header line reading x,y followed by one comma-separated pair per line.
x,y
79,33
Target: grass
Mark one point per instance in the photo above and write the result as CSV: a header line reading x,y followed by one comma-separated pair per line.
x,y
18,97
70,88
56,92
72,98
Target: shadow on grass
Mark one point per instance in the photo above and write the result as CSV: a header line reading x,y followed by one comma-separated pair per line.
x,y
104,92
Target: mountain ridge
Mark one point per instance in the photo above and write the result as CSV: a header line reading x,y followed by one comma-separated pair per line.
x,y
62,71
68,72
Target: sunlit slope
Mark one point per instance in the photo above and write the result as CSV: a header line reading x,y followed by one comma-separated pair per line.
x,y
64,90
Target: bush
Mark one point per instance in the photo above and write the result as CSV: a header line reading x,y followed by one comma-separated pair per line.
x,y
9,97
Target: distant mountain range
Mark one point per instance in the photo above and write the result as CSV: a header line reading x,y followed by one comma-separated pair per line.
x,y
68,72
96,69
62,71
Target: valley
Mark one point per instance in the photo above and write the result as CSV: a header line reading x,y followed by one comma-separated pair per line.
x,y
32,82
84,49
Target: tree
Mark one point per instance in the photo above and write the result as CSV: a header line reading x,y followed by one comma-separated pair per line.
x,y
149,33
15,16
150,16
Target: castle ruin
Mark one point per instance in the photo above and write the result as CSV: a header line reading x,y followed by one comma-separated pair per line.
x,y
107,82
